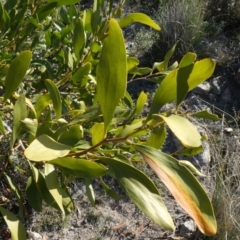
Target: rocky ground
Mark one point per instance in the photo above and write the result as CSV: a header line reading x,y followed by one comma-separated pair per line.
x,y
115,220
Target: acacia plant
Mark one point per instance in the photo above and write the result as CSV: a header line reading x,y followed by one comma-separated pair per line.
x,y
64,74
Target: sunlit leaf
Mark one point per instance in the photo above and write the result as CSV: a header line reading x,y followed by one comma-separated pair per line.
x,y
53,186
90,191
191,167
79,167
184,187
206,115
55,96
42,103
16,228
16,72
81,72
97,132
30,125
138,17
157,137
141,191
184,130
44,148
64,2
78,38
112,72
71,135
142,99
19,114
167,90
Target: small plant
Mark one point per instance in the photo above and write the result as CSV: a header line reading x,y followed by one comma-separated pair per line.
x,y
64,76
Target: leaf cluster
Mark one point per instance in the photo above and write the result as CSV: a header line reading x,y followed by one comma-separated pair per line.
x,y
64,74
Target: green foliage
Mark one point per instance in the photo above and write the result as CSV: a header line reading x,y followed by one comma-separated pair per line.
x,y
83,123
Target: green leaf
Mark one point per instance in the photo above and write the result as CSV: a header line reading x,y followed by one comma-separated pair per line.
x,y
141,191
17,194
79,39
184,71
167,90
30,125
42,103
132,63
109,191
95,15
33,196
184,187
130,129
191,167
67,202
142,99
45,10
79,167
39,179
184,130
112,72
89,115
64,2
16,228
205,115
157,137
2,129
138,17
90,191
16,73
45,63
97,132
19,114
55,96
71,135
44,148
190,151
53,186
81,72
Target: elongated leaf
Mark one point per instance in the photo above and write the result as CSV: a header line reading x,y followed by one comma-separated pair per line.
x,y
46,64
167,90
19,114
33,196
206,115
16,228
81,72
44,148
53,185
64,2
79,38
109,191
95,15
184,71
55,96
90,191
191,167
97,132
90,114
39,179
157,137
16,73
142,99
138,17
67,201
79,167
112,72
2,129
42,103
141,191
17,194
72,135
30,125
184,130
184,187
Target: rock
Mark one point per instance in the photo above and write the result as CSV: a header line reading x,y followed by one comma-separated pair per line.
x,y
215,86
188,226
226,95
203,88
34,236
